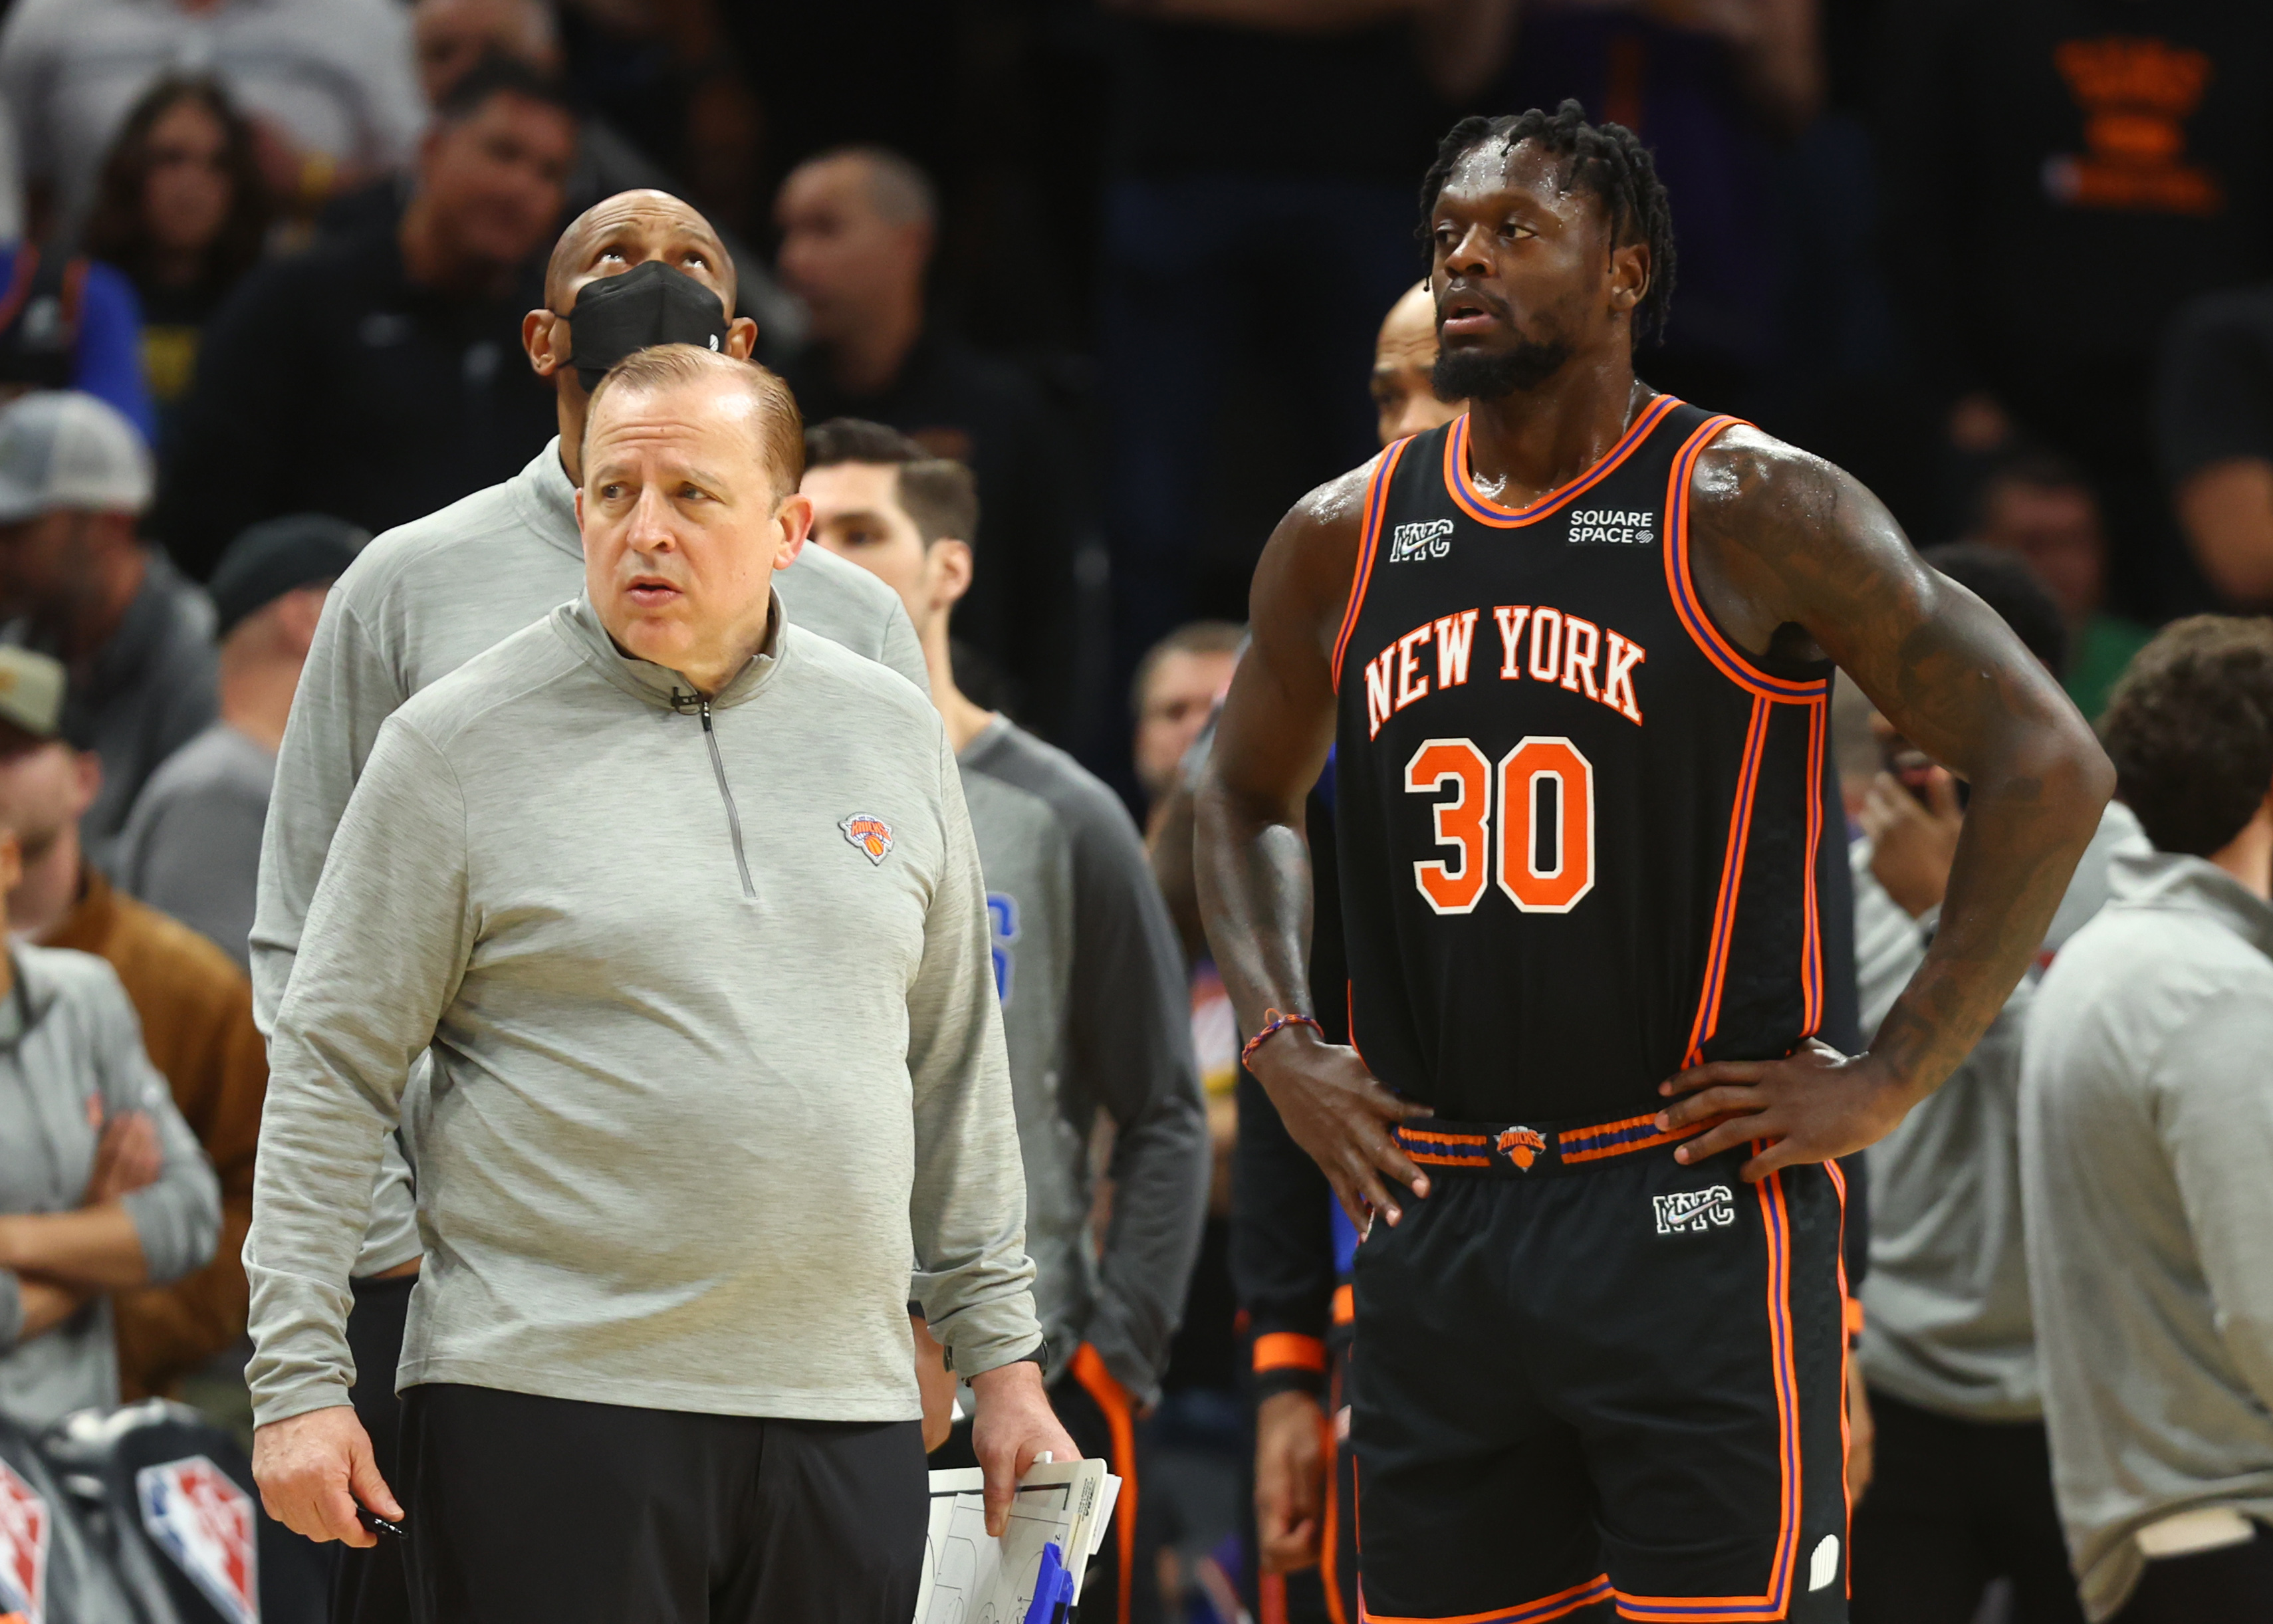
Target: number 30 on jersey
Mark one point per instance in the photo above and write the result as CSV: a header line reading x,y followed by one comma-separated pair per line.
x,y
1542,840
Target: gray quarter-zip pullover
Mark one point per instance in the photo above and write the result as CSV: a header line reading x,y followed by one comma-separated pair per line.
x,y
714,1041
70,1059
1097,1013
2147,1177
421,601
1948,1326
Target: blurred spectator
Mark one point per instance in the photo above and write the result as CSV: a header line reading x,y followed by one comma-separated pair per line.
x,y
102,1188
75,583
1239,128
192,847
1961,1491
194,1008
11,182
857,229
1714,87
1178,683
377,379
2214,431
2146,1131
2060,177
328,84
68,322
2041,506
454,36
181,209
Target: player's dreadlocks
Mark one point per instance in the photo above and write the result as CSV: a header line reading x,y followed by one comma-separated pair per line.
x,y
1608,159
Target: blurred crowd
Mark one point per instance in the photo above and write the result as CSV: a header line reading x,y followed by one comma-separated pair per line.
x,y
272,273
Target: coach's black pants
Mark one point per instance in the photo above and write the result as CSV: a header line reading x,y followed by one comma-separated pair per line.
x,y
2233,1585
367,1583
1954,1505
552,1511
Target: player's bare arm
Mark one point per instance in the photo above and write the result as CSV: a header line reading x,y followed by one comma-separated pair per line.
x,y
1254,864
1795,557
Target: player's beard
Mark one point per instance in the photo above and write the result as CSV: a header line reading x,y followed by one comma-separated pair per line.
x,y
1477,375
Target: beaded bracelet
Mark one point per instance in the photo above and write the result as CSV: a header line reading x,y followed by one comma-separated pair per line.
x,y
1274,1021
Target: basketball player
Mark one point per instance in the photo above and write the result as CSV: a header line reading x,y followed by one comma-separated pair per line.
x,y
1572,652
1291,1246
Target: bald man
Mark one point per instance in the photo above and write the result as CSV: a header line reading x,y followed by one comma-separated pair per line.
x,y
1403,357
423,599
858,226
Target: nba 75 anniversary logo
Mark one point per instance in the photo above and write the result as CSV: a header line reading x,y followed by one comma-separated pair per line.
x,y
1693,1212
1432,539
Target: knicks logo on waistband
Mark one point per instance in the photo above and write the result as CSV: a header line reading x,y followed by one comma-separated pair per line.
x,y
1520,1145
870,833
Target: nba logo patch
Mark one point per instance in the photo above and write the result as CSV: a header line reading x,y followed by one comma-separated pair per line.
x,y
1520,1145
870,833
25,1527
199,1517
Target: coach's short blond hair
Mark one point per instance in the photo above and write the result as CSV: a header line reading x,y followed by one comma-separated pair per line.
x,y
780,426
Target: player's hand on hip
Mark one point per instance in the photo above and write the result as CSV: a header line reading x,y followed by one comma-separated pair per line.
x,y
1813,1105
314,1468
1014,1424
1290,1462
1337,1113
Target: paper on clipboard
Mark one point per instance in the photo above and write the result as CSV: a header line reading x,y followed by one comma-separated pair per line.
x,y
970,1578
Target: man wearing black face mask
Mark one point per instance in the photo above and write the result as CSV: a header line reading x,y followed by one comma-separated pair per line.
x,y
640,269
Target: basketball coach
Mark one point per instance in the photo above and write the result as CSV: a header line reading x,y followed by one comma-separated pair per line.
x,y
685,901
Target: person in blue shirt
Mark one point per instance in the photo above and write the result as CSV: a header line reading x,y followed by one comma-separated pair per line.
x,y
71,324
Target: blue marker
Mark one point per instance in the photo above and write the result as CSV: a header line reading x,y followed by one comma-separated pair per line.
x,y
1052,1589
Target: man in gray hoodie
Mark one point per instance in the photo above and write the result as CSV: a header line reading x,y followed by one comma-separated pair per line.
x,y
1096,1009
423,599
2146,1138
685,904
1962,1493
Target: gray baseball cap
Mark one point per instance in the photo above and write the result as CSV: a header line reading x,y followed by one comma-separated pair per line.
x,y
62,449
31,691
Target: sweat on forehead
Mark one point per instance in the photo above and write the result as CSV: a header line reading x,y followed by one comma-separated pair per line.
x,y
642,211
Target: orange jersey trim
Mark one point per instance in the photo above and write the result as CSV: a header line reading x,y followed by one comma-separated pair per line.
x,y
1852,1317
1368,543
1561,1605
1776,1602
1289,1350
1591,1151
1345,1304
1483,509
1732,884
1731,661
1811,950
1087,1368
1455,1151
1330,1555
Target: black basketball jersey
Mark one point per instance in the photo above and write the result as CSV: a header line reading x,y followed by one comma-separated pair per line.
x,y
1582,833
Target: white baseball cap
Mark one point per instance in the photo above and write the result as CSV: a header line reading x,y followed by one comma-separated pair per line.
x,y
62,449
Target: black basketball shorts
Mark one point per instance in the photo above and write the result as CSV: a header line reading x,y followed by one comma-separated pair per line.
x,y
1592,1383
